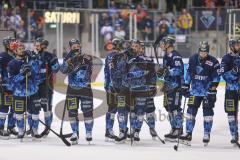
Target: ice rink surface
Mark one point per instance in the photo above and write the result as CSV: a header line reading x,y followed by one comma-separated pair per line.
x,y
52,148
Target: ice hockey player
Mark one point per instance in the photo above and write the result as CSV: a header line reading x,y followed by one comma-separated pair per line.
x,y
48,65
203,77
140,70
23,75
111,91
78,66
230,70
172,72
151,83
117,72
6,95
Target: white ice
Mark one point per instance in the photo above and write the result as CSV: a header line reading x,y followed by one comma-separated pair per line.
x,y
52,147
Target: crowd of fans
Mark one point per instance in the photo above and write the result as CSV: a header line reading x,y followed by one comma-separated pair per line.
x,y
176,19
15,16
116,22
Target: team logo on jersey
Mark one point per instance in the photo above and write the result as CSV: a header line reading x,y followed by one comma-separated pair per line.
x,y
209,63
199,69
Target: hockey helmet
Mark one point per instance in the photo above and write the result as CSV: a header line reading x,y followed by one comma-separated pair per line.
x,y
73,41
117,43
204,47
168,40
43,42
7,40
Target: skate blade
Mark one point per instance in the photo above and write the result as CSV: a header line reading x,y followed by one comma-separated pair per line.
x,y
45,136
205,144
4,137
154,138
186,143
74,142
109,139
236,145
29,139
170,140
34,139
89,143
120,142
135,143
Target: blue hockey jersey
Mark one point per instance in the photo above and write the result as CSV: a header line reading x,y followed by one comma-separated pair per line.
x,y
231,78
48,64
80,77
18,80
117,70
202,75
108,85
140,75
5,58
174,63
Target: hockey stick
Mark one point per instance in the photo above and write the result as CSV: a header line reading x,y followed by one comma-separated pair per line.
x,y
26,103
63,115
61,128
153,130
58,135
131,131
130,119
237,143
2,94
176,146
43,133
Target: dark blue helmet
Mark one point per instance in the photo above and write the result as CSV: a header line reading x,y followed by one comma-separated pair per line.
x,y
133,41
168,40
232,42
73,41
118,43
7,40
204,47
42,42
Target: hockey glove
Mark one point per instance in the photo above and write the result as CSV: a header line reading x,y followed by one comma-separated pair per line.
x,y
211,96
162,72
236,66
185,90
26,70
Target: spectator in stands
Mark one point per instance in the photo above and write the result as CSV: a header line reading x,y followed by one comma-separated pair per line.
x,y
148,28
141,14
125,12
21,32
117,19
112,9
15,20
170,5
119,32
173,29
197,3
210,3
163,26
185,22
5,18
107,31
103,19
